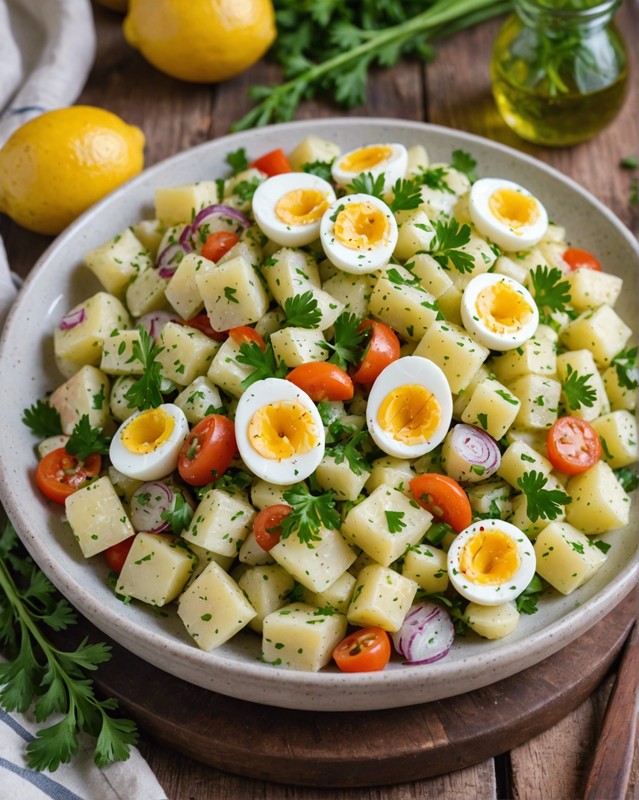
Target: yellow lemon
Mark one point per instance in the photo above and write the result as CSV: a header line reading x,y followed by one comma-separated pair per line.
x,y
204,41
60,163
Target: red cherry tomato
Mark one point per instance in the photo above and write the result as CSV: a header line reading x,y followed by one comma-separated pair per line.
x,y
267,525
581,259
365,650
208,450
218,244
273,163
117,553
202,323
573,445
382,349
322,381
444,498
245,333
59,474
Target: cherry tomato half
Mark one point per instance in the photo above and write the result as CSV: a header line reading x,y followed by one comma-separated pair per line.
x,y
244,333
364,650
218,244
573,445
59,474
381,350
208,450
273,163
581,259
322,381
117,553
267,525
202,323
444,498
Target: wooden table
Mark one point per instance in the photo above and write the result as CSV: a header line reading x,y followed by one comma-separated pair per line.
x,y
454,91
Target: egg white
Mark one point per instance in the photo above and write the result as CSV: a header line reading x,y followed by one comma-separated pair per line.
x,y
409,370
511,587
477,327
393,167
510,238
283,471
271,191
159,462
361,260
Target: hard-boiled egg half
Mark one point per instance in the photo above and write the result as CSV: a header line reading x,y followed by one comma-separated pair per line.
x,y
391,160
147,444
491,562
409,407
279,431
498,311
288,208
358,233
506,213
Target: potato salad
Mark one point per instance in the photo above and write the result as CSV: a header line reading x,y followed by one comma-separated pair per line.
x,y
356,404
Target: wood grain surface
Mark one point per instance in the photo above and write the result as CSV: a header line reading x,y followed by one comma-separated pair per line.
x,y
453,91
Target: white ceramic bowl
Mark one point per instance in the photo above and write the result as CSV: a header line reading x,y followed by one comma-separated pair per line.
x,y
26,366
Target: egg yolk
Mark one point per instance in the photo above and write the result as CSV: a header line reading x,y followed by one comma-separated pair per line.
x,y
501,309
366,158
410,413
281,430
361,226
301,207
148,431
513,209
489,558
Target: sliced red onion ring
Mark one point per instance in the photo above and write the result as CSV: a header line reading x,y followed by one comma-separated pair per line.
x,y
426,635
148,504
169,259
470,454
216,218
154,322
72,319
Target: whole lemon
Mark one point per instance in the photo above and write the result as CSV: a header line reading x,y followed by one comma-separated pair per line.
x,y
57,165
204,41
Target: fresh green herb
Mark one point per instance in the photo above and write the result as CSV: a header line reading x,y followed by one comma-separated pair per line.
x,y
55,679
229,293
465,163
550,289
347,340
367,183
541,503
237,160
233,481
335,428
85,440
600,545
456,608
245,190
629,162
577,389
435,178
634,192
320,168
406,196
178,517
437,531
527,601
625,364
628,478
445,248
309,514
145,392
395,276
264,363
43,419
353,451
302,311
395,521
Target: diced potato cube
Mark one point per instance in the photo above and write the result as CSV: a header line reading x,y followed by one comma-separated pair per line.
x,y
187,353
289,272
51,443
199,399
452,349
491,407
506,266
621,397
490,497
492,622
450,305
340,478
118,261
149,232
432,275
233,294
388,471
124,485
518,458
97,517
537,355
591,289
145,293
299,636
483,258
415,233
352,291
296,346
381,597
418,160
337,596
252,553
267,589
618,434
599,503
400,301
539,398
99,315
461,400
85,393
385,524
265,494
311,149
576,365
175,204
220,523
117,354
426,565
204,558
270,322
565,557
226,372
601,331
316,564
214,608
182,291
118,402
439,203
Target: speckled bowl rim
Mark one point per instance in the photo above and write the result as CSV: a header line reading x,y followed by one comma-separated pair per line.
x,y
234,669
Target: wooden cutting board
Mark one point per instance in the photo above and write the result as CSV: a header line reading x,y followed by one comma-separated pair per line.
x,y
327,749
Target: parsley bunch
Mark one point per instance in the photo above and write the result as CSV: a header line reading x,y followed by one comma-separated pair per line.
x,y
309,514
55,679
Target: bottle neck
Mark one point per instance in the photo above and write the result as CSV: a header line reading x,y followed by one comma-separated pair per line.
x,y
562,16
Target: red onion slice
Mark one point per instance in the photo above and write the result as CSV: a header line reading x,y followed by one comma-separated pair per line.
x,y
169,259
154,322
426,635
72,319
471,454
148,504
216,218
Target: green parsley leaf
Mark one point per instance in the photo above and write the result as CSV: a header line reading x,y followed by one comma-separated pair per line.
x,y
395,521
367,183
245,190
264,363
229,293
406,196
435,178
237,160
320,168
527,601
445,247
577,390
145,392
541,503
85,440
629,162
302,311
43,419
625,363
179,517
335,428
628,478
309,514
465,163
347,340
550,290
352,451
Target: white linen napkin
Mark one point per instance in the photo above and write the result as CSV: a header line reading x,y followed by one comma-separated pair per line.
x,y
46,52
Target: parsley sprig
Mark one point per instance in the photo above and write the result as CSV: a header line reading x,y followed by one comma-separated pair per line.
x,y
353,451
145,392
447,244
550,290
264,363
309,514
43,419
465,163
40,671
625,364
577,389
347,340
302,311
541,503
85,440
